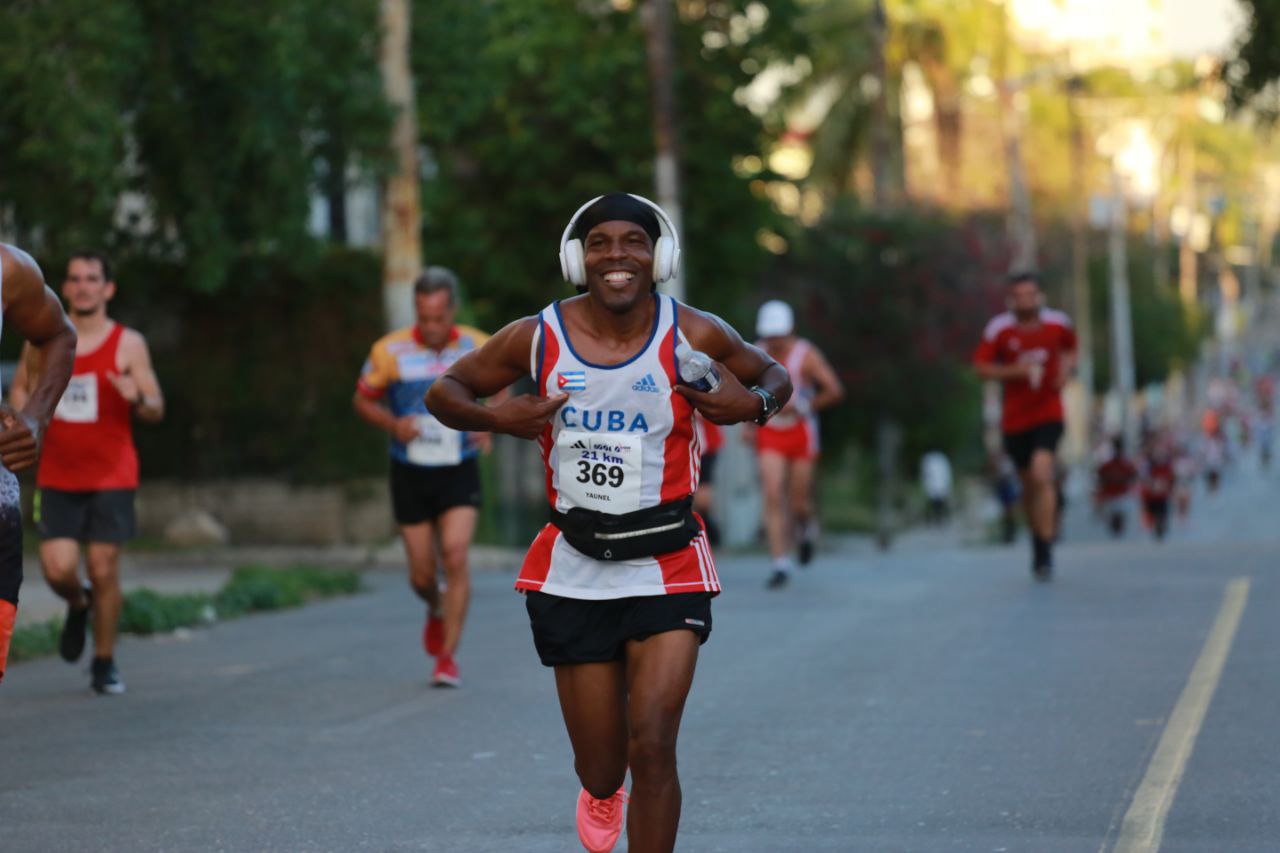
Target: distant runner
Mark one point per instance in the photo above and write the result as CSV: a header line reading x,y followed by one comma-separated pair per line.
x,y
435,479
788,446
1031,351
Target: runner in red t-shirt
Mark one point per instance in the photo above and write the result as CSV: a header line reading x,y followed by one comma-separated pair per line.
x,y
89,471
1032,351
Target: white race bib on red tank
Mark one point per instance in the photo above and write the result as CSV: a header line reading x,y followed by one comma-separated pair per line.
x,y
79,403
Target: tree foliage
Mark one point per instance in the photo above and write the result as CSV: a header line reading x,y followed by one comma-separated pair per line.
x,y
189,131
530,108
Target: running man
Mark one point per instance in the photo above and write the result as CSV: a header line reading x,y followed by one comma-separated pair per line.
x,y
31,308
89,471
787,447
1031,349
618,586
435,478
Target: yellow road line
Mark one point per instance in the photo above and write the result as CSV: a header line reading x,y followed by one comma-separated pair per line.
x,y
1143,825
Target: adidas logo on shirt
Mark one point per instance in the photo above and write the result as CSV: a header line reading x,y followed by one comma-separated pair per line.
x,y
646,384
578,445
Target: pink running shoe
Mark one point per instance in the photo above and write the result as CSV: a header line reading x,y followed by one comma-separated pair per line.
x,y
446,674
600,821
433,635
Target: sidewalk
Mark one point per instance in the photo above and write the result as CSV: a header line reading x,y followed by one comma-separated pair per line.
x,y
206,570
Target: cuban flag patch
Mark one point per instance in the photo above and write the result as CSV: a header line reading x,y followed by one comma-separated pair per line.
x,y
572,380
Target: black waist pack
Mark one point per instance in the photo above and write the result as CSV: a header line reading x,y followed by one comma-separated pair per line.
x,y
643,533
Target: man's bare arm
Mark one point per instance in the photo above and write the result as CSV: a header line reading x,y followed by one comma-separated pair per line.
x,y
137,380
504,358
24,377
820,372
746,366
33,310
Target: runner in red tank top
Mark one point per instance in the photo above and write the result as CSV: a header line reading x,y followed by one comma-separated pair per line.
x,y
1031,351
31,308
89,471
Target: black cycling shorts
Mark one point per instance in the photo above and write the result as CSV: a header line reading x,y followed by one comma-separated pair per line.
x,y
420,493
103,516
576,630
1021,446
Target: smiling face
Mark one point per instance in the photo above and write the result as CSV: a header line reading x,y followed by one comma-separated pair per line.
x,y
618,257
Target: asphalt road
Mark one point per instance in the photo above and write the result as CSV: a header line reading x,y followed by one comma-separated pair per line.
x,y
933,699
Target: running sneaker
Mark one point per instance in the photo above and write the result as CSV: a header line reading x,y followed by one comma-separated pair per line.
x,y
433,634
600,821
1041,560
805,551
777,580
446,674
71,643
804,548
106,678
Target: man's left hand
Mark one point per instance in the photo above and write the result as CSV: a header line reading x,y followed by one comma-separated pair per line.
x,y
20,436
731,403
127,387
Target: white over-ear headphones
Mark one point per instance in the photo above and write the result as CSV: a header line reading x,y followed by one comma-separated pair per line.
x,y
666,251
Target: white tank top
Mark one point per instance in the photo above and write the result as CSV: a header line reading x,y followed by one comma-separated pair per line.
x,y
623,441
800,407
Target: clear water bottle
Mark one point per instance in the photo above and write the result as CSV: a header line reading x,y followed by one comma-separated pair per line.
x,y
697,370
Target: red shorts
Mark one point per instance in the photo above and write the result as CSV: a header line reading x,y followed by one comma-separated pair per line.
x,y
798,442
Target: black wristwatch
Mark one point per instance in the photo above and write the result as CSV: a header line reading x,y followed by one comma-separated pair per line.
x,y
770,404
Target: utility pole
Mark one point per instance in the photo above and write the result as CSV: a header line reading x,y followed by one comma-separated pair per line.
x,y
881,143
1122,373
660,52
401,199
1187,261
1080,256
887,430
1022,230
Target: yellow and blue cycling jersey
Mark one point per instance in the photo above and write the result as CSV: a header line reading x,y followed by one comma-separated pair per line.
x,y
400,369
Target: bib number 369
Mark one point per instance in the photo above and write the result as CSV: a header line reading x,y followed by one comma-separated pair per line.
x,y
600,474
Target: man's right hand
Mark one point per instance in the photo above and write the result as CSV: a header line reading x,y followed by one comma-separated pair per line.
x,y
20,438
406,429
526,416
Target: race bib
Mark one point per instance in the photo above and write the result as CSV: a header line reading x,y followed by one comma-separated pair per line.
x,y
600,471
79,403
436,444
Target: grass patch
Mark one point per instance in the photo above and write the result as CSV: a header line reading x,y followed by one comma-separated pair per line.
x,y
250,589
35,641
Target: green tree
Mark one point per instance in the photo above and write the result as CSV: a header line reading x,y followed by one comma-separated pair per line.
x,y
191,131
530,107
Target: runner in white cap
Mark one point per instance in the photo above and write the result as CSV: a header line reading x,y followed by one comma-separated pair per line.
x,y
787,446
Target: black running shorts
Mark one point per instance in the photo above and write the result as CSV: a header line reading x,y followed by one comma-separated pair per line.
x,y
708,475
1021,446
105,516
10,576
420,493
575,630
